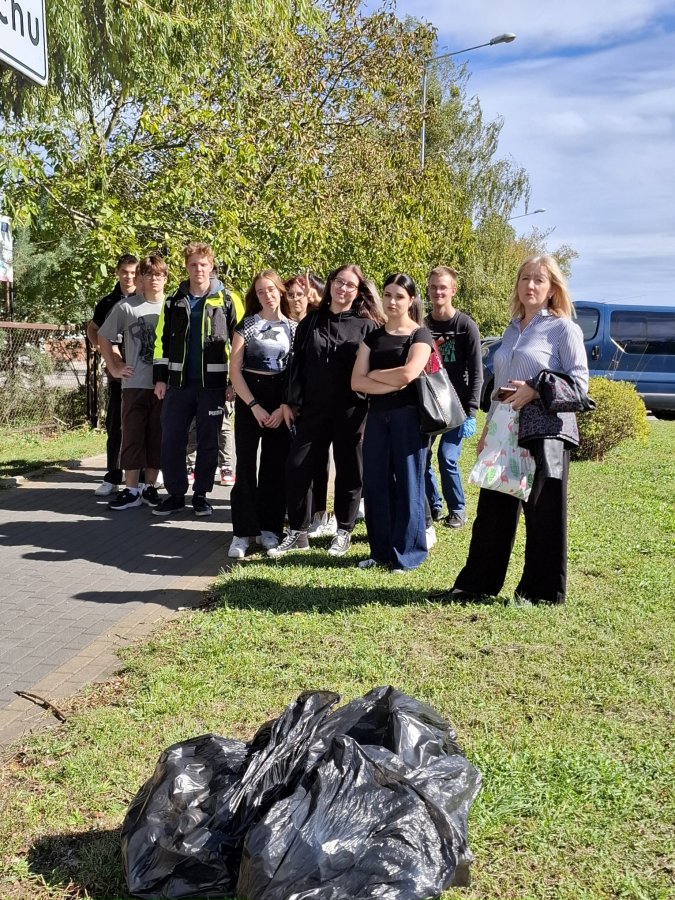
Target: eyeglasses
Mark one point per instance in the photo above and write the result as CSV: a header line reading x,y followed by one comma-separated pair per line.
x,y
347,285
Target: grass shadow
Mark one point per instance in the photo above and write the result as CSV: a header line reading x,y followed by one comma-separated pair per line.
x,y
269,595
83,864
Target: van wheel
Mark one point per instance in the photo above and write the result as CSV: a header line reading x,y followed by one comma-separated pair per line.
x,y
667,414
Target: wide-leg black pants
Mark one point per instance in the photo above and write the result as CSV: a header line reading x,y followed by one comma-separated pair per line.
x,y
494,530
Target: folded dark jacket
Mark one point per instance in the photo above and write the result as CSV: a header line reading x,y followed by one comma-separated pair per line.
x,y
560,394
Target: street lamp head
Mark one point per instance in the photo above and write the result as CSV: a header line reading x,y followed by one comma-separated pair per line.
x,y
503,38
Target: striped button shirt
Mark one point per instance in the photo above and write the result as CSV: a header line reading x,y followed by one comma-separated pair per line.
x,y
546,342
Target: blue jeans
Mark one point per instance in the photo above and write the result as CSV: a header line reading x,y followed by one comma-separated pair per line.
x,y
449,448
394,457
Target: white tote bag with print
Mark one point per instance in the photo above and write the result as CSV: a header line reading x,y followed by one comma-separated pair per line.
x,y
503,465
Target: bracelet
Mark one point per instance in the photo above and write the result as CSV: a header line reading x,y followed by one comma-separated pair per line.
x,y
252,404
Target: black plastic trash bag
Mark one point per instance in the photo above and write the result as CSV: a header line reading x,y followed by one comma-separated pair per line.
x,y
371,800
183,833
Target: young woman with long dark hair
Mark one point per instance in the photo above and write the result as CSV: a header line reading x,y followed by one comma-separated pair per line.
x,y
324,409
260,352
394,448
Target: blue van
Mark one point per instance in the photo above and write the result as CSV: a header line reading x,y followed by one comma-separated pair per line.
x,y
625,342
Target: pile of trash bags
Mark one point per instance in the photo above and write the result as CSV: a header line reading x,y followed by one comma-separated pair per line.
x,y
367,800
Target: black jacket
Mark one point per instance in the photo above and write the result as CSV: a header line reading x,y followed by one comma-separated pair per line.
x,y
173,329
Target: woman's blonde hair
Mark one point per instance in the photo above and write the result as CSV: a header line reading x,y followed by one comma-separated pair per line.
x,y
560,302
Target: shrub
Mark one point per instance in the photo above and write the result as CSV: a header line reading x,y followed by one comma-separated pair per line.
x,y
620,415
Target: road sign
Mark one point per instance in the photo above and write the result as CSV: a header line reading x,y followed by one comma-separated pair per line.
x,y
6,249
23,38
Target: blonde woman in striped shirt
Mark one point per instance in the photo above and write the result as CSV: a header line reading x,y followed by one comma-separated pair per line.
x,y
541,335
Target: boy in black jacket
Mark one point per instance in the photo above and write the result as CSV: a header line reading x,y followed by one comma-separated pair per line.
x,y
190,375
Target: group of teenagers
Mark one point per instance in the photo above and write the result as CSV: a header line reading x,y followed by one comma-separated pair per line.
x,y
317,367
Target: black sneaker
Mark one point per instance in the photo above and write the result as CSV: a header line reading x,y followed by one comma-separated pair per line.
x,y
340,543
150,496
455,520
437,513
172,504
125,500
201,506
294,541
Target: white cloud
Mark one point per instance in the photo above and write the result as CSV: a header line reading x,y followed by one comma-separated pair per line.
x,y
587,97
540,26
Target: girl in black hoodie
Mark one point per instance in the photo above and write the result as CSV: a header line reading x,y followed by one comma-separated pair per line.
x,y
323,409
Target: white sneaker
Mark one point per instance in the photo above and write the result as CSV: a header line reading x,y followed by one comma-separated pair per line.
x,y
105,489
322,525
238,548
267,540
431,537
369,563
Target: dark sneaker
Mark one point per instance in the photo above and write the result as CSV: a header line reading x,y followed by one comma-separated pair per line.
x,y
201,506
437,513
294,541
150,496
340,543
455,520
455,595
125,500
174,503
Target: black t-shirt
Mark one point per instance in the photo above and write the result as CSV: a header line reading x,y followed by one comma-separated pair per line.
x,y
102,311
389,351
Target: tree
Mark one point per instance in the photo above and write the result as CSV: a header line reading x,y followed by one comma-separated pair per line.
x,y
293,146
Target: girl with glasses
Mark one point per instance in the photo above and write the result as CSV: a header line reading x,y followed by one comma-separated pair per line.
x,y
323,408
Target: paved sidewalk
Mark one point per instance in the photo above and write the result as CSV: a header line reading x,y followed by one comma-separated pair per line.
x,y
78,580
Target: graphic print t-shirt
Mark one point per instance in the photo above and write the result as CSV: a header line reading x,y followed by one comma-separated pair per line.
x,y
136,320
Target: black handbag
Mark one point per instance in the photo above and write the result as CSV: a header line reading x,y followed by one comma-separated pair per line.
x,y
439,406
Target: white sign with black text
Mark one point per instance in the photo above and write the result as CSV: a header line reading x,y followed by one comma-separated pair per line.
x,y
23,38
6,250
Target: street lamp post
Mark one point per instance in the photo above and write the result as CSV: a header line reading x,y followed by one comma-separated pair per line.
x,y
522,215
499,39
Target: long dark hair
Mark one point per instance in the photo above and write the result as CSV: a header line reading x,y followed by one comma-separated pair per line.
x,y
366,304
251,303
405,281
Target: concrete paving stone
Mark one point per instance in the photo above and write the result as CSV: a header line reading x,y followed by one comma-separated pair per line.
x,y
83,583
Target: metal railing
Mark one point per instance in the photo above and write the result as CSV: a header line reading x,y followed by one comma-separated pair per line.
x,y
50,377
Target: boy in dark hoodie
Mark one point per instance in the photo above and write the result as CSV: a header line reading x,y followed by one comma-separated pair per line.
x,y
190,375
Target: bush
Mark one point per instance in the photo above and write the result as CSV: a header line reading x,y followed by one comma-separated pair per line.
x,y
620,415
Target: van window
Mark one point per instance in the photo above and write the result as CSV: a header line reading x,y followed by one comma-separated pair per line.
x,y
637,331
587,320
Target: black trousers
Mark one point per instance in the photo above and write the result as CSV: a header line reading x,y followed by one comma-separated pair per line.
x,y
180,406
258,497
316,429
494,530
113,428
319,488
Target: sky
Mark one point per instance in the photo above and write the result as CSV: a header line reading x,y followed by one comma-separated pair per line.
x,y
587,97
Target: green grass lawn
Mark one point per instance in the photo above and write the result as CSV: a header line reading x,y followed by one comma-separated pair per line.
x,y
30,451
567,711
